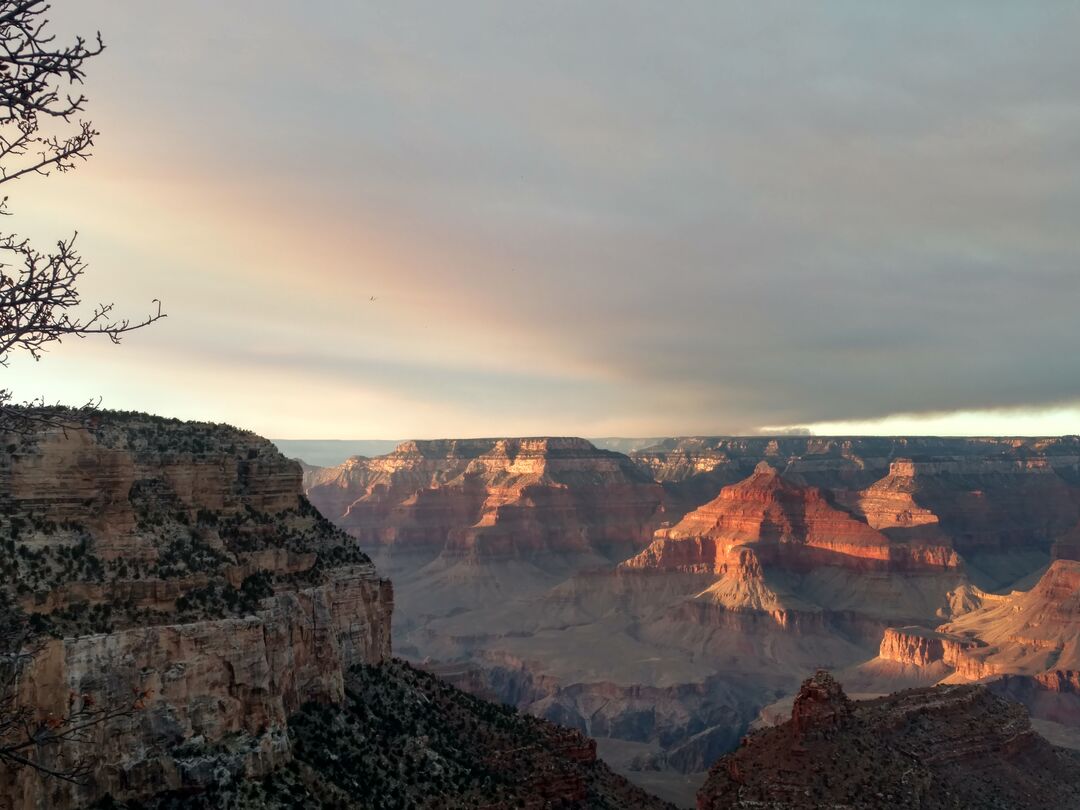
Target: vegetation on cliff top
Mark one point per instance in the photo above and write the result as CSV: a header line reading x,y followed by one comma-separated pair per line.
x,y
403,739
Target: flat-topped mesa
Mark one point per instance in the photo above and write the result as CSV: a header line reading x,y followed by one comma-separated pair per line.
x,y
942,747
493,497
922,647
179,561
789,525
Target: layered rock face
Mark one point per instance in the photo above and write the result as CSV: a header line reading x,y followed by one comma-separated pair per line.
x,y
788,525
176,574
944,747
1023,645
1034,633
770,549
492,497
993,500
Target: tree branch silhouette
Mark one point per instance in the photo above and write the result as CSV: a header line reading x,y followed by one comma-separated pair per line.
x,y
40,134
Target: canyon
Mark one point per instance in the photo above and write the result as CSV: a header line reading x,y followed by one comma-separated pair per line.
x,y
228,616
661,600
181,625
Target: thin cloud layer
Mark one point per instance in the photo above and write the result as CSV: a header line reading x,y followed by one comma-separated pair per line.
x,y
599,219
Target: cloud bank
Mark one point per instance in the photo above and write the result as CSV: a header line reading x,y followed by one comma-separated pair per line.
x,y
596,219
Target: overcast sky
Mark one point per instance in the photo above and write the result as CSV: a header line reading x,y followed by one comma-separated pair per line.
x,y
599,218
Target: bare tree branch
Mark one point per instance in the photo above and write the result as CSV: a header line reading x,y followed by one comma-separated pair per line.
x,y
39,294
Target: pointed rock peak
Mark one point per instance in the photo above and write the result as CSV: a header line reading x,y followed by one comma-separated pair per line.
x,y
1061,580
765,484
820,705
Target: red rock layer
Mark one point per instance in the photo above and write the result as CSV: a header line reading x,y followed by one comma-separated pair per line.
x,y
982,494
492,497
921,647
792,526
1034,634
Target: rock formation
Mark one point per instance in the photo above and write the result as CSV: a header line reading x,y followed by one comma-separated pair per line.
x,y
943,747
404,739
1034,633
995,500
492,497
788,525
735,566
179,563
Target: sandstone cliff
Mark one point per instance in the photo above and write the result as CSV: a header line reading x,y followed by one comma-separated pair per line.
x,y
1034,633
789,525
769,548
1000,503
180,563
492,497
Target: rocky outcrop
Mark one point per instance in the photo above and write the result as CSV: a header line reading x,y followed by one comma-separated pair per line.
x,y
405,739
921,647
985,496
1035,632
944,747
770,552
820,707
788,525
1024,644
889,503
492,497
181,580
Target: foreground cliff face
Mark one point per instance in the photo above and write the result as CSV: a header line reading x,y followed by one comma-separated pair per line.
x,y
174,570
945,747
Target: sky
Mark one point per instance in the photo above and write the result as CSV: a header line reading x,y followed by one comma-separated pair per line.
x,y
426,219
